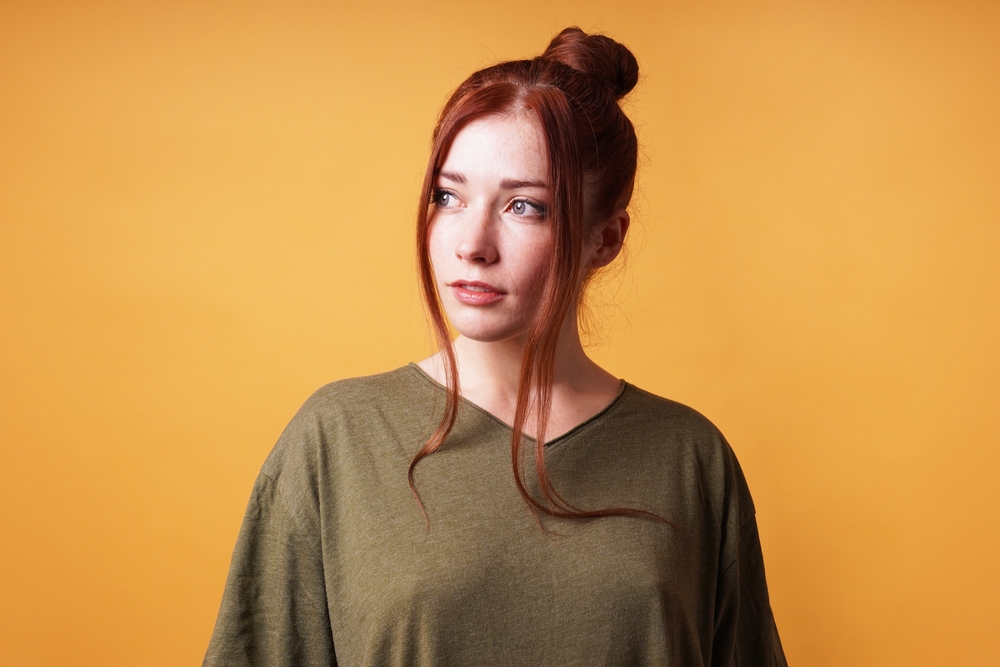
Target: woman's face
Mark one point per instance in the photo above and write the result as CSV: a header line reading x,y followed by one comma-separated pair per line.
x,y
490,237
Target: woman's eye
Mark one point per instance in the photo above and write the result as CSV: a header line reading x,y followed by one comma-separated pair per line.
x,y
526,207
444,199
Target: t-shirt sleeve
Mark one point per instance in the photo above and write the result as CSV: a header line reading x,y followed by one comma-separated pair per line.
x,y
274,610
745,631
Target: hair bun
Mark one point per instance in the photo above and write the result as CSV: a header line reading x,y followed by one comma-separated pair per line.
x,y
601,57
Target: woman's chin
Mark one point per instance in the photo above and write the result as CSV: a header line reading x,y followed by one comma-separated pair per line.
x,y
488,334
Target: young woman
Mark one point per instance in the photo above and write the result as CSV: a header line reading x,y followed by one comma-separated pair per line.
x,y
506,501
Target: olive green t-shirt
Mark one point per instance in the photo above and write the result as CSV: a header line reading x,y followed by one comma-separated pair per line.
x,y
335,565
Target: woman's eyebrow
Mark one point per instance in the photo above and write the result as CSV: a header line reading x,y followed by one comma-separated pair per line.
x,y
453,177
511,184
505,184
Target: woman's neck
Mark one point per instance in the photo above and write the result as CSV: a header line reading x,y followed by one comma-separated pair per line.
x,y
489,373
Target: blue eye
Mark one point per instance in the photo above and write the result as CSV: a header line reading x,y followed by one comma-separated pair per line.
x,y
443,198
527,207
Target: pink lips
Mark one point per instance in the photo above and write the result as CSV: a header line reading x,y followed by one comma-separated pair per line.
x,y
475,293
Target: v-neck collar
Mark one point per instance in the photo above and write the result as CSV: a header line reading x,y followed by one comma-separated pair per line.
x,y
492,417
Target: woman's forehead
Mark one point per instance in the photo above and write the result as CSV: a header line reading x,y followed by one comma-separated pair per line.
x,y
499,147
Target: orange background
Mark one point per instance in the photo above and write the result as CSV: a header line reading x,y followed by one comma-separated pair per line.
x,y
206,213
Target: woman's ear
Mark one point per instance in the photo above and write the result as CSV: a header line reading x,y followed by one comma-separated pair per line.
x,y
612,237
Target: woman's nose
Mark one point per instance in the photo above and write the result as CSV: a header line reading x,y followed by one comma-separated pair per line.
x,y
476,242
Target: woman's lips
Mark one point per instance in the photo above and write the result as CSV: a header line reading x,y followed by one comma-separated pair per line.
x,y
475,293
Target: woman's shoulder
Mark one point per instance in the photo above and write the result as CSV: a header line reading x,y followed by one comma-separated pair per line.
x,y
390,408
649,411
665,429
666,434
367,392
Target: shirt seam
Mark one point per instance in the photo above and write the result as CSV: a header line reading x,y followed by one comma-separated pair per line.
x,y
750,518
315,544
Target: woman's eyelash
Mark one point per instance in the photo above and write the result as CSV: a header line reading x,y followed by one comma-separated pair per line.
x,y
442,197
438,195
539,209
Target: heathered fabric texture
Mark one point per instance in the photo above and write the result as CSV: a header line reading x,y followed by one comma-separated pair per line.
x,y
335,565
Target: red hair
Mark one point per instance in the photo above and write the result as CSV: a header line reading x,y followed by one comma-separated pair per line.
x,y
573,90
